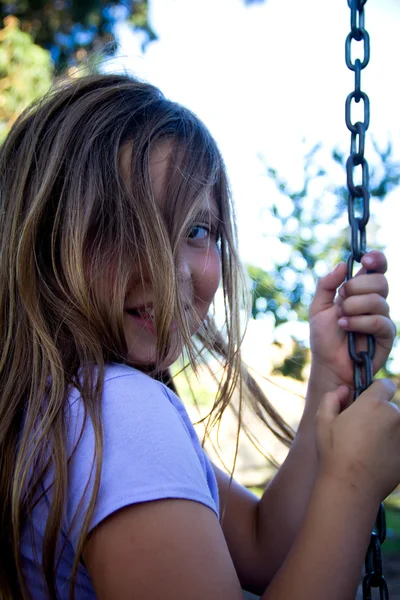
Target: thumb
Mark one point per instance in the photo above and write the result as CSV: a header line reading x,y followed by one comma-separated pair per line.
x,y
333,403
331,406
326,289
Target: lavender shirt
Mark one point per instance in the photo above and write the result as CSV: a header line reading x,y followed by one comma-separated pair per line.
x,y
151,451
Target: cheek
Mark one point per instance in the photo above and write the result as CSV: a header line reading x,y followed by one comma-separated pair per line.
x,y
208,277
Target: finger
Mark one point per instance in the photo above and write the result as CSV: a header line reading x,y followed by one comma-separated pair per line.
x,y
374,261
368,304
333,403
365,284
326,289
377,325
383,389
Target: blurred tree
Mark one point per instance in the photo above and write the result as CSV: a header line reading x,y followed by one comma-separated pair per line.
x,y
293,364
40,35
25,73
313,233
71,29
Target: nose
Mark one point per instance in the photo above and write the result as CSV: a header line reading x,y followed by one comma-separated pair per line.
x,y
184,268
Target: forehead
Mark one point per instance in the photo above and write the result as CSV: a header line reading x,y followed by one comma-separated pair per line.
x,y
159,165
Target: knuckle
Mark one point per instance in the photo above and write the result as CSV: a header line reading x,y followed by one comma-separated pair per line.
x,y
377,322
386,327
377,300
378,304
385,308
382,325
392,329
383,286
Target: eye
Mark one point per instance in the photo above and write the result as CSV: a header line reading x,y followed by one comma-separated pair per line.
x,y
199,232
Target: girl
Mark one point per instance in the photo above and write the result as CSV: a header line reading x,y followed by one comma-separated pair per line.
x,y
116,230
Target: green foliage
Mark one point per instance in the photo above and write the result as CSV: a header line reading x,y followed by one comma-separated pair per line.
x,y
313,233
268,293
293,365
40,36
72,29
25,73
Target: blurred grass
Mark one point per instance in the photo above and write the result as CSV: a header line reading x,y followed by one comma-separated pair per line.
x,y
392,510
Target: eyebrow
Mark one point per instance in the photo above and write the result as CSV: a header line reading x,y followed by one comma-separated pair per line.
x,y
208,214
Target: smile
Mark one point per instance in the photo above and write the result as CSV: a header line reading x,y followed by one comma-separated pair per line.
x,y
142,312
145,317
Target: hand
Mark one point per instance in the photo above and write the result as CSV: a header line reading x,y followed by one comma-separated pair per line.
x,y
359,306
360,446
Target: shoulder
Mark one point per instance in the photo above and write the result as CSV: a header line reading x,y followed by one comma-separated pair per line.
x,y
134,408
122,380
150,449
129,399
143,402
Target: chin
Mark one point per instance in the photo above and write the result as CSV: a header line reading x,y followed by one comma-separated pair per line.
x,y
147,363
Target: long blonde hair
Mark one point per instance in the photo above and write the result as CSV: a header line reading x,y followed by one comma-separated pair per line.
x,y
70,228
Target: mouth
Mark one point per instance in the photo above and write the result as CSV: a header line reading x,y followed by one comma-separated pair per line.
x,y
142,312
145,315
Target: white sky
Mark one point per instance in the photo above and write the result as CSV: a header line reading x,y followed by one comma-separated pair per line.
x,y
266,76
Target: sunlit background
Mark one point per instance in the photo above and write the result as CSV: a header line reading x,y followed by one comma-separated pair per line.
x,y
270,81
268,78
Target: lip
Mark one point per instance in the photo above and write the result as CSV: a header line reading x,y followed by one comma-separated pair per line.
x,y
148,323
150,306
144,322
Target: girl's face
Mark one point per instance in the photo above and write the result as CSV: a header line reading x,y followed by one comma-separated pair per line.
x,y
199,272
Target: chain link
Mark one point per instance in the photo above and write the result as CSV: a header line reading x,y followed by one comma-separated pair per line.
x,y
358,209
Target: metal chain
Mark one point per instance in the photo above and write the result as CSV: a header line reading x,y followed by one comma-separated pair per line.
x,y
358,208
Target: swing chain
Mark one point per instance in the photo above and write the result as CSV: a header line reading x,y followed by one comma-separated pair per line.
x,y
358,202
358,211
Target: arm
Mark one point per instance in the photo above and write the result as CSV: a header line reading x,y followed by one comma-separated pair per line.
x,y
288,495
334,545
163,550
175,549
358,467
260,533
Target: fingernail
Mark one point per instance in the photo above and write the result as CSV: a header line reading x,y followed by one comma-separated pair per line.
x,y
368,261
343,322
